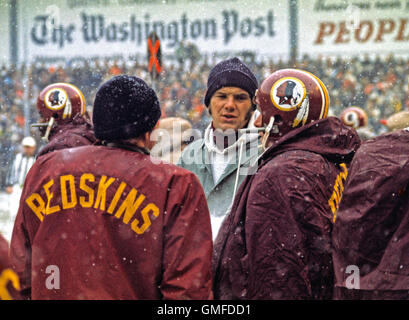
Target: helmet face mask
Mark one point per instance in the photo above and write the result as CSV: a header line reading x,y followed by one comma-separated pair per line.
x,y
293,98
58,103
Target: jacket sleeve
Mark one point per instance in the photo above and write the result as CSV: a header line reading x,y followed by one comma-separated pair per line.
x,y
9,282
4,252
25,226
20,255
188,241
288,232
371,231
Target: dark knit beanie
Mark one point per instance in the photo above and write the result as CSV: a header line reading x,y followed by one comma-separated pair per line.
x,y
124,107
230,73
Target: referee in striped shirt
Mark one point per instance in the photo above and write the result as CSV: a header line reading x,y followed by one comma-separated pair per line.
x,y
14,183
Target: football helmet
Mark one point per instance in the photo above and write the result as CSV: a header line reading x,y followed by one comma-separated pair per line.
x,y
58,103
289,99
354,117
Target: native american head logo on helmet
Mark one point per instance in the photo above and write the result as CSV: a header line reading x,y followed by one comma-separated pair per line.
x,y
287,93
57,97
289,99
58,103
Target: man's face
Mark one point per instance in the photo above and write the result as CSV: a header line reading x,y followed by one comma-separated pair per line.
x,y
29,151
230,108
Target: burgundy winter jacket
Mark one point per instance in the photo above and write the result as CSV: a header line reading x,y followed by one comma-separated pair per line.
x,y
4,264
372,228
76,133
275,243
9,282
108,223
4,252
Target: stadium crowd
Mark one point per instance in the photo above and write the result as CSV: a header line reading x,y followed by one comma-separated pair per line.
x,y
379,85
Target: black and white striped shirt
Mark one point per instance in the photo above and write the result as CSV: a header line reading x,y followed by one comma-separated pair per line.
x,y
21,164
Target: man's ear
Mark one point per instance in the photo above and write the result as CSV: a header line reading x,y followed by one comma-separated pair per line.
x,y
147,136
143,141
209,109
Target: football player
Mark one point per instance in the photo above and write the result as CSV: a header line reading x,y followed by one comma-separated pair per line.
x,y
64,121
276,242
357,118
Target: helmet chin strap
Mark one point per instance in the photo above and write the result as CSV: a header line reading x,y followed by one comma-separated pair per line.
x,y
47,132
267,133
49,126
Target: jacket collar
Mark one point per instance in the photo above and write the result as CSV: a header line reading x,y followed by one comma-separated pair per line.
x,y
328,137
205,165
127,146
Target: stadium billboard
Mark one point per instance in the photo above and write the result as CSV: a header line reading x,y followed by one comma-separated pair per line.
x,y
348,28
86,28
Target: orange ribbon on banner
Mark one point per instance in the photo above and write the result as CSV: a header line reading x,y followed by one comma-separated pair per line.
x,y
153,53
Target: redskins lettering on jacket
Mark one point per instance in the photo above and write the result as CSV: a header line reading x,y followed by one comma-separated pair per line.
x,y
94,199
115,224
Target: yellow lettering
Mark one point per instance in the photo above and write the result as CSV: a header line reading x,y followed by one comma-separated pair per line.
x,y
341,186
151,207
64,198
129,206
39,209
344,172
115,200
7,276
48,209
336,188
332,203
87,189
336,196
126,210
101,195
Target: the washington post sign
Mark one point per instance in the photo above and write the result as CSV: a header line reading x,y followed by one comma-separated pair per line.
x,y
113,27
98,28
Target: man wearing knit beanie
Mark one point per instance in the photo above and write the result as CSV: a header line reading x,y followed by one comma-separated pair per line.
x,y
125,107
230,73
126,227
222,159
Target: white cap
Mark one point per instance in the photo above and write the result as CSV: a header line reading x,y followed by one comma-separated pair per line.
x,y
28,142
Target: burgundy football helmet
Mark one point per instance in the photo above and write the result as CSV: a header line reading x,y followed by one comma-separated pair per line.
x,y
289,99
354,117
58,103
